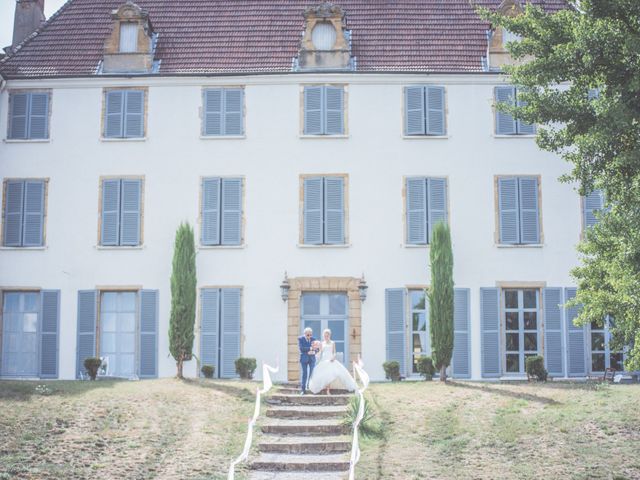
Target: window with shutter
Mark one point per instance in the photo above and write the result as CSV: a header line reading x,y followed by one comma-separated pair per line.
x,y
323,110
424,111
121,212
223,112
24,207
591,205
124,113
506,124
324,211
426,205
29,116
221,211
518,210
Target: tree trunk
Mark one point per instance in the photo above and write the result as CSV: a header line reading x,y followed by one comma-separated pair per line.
x,y
179,363
443,373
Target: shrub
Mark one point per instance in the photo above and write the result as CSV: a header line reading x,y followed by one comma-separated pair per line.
x,y
534,366
245,367
92,365
426,368
392,370
208,371
368,427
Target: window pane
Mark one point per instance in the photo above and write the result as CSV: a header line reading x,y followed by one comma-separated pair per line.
x,y
511,321
30,322
513,363
531,342
597,341
127,322
530,320
512,342
597,362
337,304
418,345
109,301
530,298
30,302
597,326
337,330
128,37
418,300
511,298
11,302
615,361
311,304
108,322
419,322
127,343
127,301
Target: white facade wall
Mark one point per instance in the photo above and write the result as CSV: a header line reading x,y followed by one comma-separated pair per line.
x,y
271,157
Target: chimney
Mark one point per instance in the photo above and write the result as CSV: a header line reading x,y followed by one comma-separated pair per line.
x,y
29,16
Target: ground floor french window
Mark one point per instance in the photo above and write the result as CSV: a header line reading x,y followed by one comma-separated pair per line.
x,y
520,327
29,329
321,311
602,356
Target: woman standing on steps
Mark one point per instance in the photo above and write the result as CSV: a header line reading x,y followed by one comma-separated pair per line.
x,y
329,373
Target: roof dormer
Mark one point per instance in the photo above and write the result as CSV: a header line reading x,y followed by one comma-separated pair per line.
x,y
498,37
326,43
130,46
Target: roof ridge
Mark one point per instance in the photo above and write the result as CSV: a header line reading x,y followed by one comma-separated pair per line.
x,y
36,32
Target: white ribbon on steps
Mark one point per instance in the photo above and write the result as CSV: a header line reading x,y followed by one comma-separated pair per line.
x,y
358,372
266,386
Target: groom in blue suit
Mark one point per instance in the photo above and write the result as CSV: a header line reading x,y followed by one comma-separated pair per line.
x,y
307,357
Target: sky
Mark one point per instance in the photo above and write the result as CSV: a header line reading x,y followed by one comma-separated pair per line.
x,y
7,9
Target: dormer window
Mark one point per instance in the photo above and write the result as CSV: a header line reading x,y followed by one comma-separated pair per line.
x,y
128,37
499,37
323,36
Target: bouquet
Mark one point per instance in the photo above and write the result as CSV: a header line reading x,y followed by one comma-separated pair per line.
x,y
316,346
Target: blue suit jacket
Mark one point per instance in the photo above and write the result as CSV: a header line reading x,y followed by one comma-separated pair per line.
x,y
305,345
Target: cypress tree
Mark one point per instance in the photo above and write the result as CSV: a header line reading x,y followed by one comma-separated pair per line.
x,y
441,298
183,297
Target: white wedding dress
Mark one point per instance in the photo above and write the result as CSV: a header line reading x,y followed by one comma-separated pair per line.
x,y
330,374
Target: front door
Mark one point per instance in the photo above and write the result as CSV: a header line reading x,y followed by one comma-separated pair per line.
x,y
328,310
20,334
118,312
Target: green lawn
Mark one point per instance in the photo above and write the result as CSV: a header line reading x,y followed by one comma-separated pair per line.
x,y
163,429
503,431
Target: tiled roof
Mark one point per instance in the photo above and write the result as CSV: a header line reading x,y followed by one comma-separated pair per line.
x,y
253,36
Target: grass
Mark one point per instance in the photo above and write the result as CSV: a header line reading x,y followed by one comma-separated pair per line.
x,y
162,429
465,430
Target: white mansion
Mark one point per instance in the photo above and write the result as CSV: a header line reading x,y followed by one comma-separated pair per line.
x,y
319,140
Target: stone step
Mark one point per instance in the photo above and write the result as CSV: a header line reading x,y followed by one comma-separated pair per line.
x,y
304,427
266,475
301,463
306,411
280,399
304,445
296,389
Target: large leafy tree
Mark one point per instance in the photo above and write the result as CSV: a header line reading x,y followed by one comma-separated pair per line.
x,y
441,298
183,297
580,79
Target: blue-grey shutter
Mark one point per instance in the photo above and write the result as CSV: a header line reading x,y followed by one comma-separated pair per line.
x,y
437,204
209,326
576,338
110,228
505,123
231,211
114,114
553,344
593,94
593,203
395,315
461,360
86,330
134,114
13,209
334,110
414,111
334,210
524,128
49,327
508,203
148,356
529,216
435,111
19,105
313,110
39,116
490,331
312,211
416,211
213,112
233,111
210,211
130,209
33,213
230,331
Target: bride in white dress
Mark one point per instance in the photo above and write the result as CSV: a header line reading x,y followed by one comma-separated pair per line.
x,y
328,372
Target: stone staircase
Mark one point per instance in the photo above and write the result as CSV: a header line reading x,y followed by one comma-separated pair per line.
x,y
303,435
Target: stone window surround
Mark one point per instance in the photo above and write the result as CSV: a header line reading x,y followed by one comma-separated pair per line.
x,y
13,91
44,215
496,204
104,111
142,192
